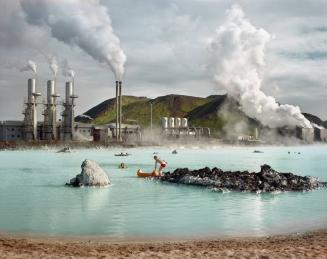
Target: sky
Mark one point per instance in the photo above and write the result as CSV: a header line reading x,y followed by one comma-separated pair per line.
x,y
166,48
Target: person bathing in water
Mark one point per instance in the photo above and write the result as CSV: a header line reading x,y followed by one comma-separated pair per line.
x,y
162,164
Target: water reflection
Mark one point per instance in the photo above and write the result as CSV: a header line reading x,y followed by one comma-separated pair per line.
x,y
35,200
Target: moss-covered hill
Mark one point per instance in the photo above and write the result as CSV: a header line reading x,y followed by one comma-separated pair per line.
x,y
216,112
138,108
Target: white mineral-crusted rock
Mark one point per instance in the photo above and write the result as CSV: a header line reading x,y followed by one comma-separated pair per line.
x,y
92,175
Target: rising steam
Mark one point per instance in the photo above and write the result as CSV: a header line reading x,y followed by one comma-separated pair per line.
x,y
238,53
30,66
53,65
67,70
85,24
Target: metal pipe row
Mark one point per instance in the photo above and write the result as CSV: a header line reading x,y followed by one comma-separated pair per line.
x,y
119,104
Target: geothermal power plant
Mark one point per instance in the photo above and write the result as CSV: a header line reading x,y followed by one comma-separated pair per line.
x,y
58,122
50,128
56,125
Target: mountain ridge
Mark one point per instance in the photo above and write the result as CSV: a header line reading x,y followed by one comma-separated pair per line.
x,y
218,112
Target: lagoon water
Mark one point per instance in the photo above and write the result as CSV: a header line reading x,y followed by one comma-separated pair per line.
x,y
34,200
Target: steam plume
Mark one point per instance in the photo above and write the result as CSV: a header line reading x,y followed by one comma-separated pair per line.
x,y
53,65
30,66
85,24
67,70
238,52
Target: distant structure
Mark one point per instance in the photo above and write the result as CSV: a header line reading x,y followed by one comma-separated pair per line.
x,y
309,135
68,113
107,132
250,139
119,105
320,134
30,115
11,130
305,134
50,113
178,127
67,129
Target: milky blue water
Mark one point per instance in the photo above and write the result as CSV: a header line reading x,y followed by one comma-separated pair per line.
x,y
34,200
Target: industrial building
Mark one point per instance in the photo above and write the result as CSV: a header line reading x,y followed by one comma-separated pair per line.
x,y
320,134
50,113
179,128
64,129
108,132
49,129
30,113
11,130
310,135
305,134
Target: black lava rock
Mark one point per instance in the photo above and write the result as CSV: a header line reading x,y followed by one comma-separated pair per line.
x,y
267,180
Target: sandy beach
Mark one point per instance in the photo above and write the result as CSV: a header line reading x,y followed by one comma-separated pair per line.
x,y
307,245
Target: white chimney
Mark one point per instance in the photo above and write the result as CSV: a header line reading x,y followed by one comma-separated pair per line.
x,y
69,92
50,91
31,90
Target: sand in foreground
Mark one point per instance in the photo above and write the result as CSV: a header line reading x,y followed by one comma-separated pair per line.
x,y
308,245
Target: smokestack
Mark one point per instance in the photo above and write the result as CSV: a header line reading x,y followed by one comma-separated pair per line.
x,y
31,90
117,109
68,113
69,92
256,133
30,119
50,113
50,91
120,111
83,28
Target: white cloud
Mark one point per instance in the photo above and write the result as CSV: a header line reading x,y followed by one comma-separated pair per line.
x,y
163,42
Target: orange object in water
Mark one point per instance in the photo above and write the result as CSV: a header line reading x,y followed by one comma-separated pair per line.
x,y
143,174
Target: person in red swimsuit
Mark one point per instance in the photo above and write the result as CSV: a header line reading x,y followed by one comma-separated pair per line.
x,y
162,164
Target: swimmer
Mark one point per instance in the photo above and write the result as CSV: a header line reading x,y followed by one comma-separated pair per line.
x,y
122,166
162,164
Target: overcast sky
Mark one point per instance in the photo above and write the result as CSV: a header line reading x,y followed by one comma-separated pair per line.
x,y
165,42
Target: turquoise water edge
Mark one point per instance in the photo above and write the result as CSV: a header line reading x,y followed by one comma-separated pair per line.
x,y
34,200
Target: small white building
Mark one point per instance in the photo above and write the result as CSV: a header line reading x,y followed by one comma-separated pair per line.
x,y
83,131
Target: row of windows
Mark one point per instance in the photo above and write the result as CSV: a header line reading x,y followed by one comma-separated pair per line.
x,y
13,129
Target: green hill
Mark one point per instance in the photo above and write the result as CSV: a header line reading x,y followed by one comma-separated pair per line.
x,y
218,112
215,111
138,108
223,116
106,111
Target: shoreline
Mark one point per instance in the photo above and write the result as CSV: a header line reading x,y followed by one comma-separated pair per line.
x,y
57,145
311,244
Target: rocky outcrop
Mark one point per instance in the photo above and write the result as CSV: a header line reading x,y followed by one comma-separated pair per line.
x,y
92,175
267,180
65,150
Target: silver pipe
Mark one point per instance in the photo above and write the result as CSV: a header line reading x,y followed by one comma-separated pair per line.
x,y
117,110
50,91
151,116
69,92
31,90
120,111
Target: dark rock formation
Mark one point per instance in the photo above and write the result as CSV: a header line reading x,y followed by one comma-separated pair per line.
x,y
92,175
267,180
65,150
